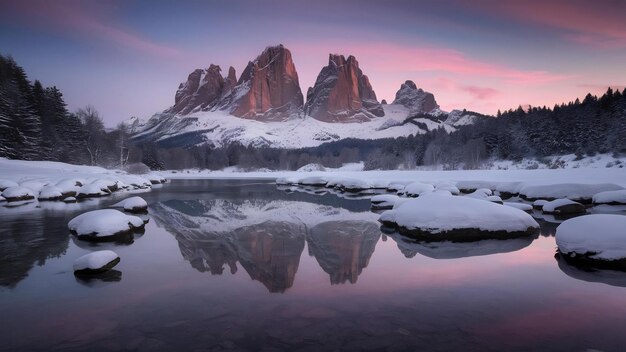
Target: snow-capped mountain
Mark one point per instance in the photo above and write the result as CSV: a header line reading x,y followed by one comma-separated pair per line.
x,y
265,107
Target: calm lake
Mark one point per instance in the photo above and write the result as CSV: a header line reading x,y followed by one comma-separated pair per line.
x,y
242,265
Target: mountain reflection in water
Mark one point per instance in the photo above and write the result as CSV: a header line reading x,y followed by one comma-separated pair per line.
x,y
267,237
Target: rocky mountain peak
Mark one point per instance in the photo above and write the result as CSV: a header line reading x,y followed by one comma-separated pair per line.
x,y
415,99
268,88
342,93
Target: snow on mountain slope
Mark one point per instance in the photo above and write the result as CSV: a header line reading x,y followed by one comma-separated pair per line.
x,y
219,128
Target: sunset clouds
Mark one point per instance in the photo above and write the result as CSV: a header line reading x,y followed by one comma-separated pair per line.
x,y
482,55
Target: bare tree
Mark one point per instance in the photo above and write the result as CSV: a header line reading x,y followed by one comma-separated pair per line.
x,y
95,134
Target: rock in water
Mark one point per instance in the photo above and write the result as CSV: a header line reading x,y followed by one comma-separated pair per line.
x,y
268,89
563,206
104,225
95,262
597,239
342,93
17,193
132,205
415,99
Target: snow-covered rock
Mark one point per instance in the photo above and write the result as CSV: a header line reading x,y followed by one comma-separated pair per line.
x,y
384,201
104,224
539,203
507,190
596,237
520,206
70,200
437,217
610,197
317,181
90,191
470,186
415,189
69,187
579,192
563,206
447,187
351,185
4,184
480,193
494,199
105,185
132,205
96,262
287,180
311,167
17,193
50,193
416,100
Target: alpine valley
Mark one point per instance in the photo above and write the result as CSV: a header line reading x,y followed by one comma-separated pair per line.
x,y
265,107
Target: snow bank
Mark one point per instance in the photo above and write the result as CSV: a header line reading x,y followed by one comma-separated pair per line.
x,y
4,184
472,185
17,193
610,197
96,262
459,217
575,191
104,223
596,237
132,205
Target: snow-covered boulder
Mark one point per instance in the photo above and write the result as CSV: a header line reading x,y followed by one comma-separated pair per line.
x,y
494,199
471,186
598,239
415,189
311,167
563,207
96,262
351,185
610,197
50,193
384,201
4,184
70,200
137,181
507,190
539,203
437,217
105,185
69,187
580,192
155,179
17,193
396,186
379,184
132,205
521,206
316,181
90,191
286,181
447,187
480,193
104,224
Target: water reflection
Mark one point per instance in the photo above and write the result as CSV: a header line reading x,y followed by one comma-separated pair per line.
x,y
609,277
99,280
452,250
343,248
267,237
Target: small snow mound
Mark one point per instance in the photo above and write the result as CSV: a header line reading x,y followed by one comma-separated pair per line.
x,y
438,217
539,203
610,197
132,205
90,190
17,193
50,193
384,201
415,189
96,262
481,193
104,223
563,206
595,237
